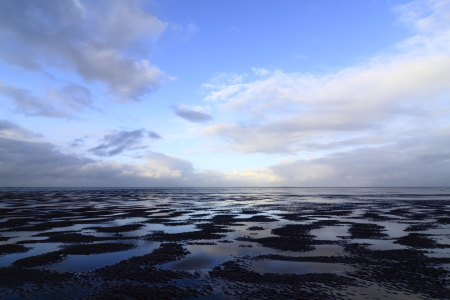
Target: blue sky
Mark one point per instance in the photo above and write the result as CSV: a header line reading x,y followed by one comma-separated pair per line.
x,y
224,93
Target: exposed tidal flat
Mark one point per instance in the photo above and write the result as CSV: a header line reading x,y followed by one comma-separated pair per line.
x,y
225,243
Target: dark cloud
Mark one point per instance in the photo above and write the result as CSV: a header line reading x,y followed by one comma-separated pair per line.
x,y
91,38
116,143
11,129
76,142
35,161
8,125
56,103
435,157
25,163
191,114
410,162
153,135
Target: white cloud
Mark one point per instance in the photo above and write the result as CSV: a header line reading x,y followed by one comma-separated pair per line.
x,y
95,39
261,72
391,96
162,165
222,80
184,32
191,30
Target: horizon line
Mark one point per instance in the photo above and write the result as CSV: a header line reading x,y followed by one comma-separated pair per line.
x,y
206,187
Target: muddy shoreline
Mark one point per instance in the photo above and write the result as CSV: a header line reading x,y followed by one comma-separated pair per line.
x,y
224,244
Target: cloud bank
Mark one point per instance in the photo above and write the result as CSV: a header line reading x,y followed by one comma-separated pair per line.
x,y
34,163
413,162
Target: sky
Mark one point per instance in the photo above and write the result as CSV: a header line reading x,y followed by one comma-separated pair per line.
x,y
254,93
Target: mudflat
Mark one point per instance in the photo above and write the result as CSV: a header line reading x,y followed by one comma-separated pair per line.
x,y
225,243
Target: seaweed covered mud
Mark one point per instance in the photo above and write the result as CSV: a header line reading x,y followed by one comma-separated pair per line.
x,y
229,243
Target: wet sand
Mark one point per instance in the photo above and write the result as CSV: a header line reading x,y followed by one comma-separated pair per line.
x,y
225,244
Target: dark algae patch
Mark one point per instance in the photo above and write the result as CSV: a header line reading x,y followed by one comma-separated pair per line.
x,y
253,228
225,243
12,248
367,231
292,237
254,285
402,270
422,226
419,240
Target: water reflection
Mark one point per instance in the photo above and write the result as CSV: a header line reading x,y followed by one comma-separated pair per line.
x,y
286,267
83,263
332,233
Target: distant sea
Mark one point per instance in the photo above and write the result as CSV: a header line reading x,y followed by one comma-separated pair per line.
x,y
361,192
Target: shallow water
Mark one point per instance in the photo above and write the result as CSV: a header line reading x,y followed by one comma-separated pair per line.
x,y
95,261
241,224
292,267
